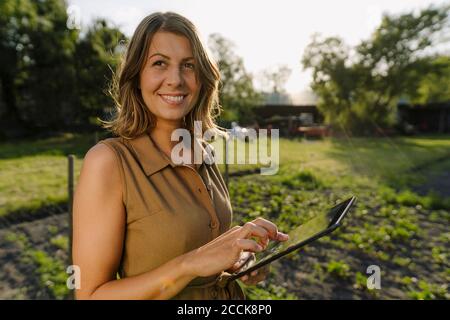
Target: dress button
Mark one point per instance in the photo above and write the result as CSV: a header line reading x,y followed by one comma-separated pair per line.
x,y
213,224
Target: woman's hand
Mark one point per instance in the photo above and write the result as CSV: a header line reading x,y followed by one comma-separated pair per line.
x,y
247,260
256,276
225,251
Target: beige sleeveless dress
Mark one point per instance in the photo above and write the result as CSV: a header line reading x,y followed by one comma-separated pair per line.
x,y
171,209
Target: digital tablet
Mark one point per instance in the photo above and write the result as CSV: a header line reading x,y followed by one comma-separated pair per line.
x,y
319,226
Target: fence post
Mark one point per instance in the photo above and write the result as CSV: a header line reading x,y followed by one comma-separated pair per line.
x,y
70,159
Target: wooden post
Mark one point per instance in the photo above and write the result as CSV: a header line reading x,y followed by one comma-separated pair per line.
x,y
70,159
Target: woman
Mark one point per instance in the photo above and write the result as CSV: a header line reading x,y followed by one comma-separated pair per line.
x,y
143,227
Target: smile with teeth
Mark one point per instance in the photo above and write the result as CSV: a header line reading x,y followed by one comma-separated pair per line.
x,y
173,99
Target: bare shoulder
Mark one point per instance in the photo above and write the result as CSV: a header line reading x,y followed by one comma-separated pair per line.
x,y
101,169
100,155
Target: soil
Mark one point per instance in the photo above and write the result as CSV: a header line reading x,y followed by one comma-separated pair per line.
x,y
19,278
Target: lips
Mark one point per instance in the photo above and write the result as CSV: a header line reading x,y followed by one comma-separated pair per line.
x,y
173,99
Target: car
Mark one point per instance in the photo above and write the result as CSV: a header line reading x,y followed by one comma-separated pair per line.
x,y
315,131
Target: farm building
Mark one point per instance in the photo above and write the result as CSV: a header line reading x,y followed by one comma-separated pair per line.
x,y
429,118
289,118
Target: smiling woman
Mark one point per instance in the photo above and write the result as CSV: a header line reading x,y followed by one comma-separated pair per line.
x,y
162,228
168,61
164,47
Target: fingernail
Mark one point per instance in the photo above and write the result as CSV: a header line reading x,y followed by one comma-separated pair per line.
x,y
286,236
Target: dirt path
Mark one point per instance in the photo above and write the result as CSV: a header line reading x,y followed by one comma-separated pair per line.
x,y
439,184
437,179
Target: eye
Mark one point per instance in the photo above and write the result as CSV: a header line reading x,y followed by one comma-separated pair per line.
x,y
158,63
189,66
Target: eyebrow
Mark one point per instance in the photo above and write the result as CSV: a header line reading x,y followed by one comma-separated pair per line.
x,y
168,58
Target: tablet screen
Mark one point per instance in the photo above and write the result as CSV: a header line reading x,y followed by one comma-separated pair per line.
x,y
307,230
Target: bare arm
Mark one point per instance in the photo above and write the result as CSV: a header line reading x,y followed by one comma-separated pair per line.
x,y
98,232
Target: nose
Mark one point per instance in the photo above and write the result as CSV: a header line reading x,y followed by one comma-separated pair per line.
x,y
174,77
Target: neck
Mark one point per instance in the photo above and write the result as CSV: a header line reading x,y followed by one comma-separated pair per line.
x,y
161,134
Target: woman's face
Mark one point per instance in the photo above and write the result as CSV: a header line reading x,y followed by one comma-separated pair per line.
x,y
168,83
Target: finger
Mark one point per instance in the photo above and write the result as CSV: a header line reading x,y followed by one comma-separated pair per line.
x,y
253,280
245,257
282,236
247,245
251,229
244,278
258,278
265,243
274,234
254,273
269,226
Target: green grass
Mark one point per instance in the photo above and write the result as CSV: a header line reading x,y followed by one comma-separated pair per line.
x,y
61,242
34,173
339,269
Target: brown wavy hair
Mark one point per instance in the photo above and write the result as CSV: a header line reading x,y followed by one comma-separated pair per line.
x,y
131,116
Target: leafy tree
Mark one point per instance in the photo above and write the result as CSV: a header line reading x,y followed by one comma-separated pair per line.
x,y
16,19
40,70
97,55
274,79
434,86
51,78
358,89
237,94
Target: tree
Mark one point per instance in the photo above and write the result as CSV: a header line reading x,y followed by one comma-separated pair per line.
x,y
434,86
237,94
97,56
50,77
274,79
37,68
358,89
17,18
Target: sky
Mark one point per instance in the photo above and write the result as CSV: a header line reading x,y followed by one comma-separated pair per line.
x,y
266,33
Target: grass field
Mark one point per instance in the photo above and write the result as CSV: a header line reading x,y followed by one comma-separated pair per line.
x,y
397,224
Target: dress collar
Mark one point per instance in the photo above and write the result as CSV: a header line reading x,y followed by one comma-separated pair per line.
x,y
152,159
